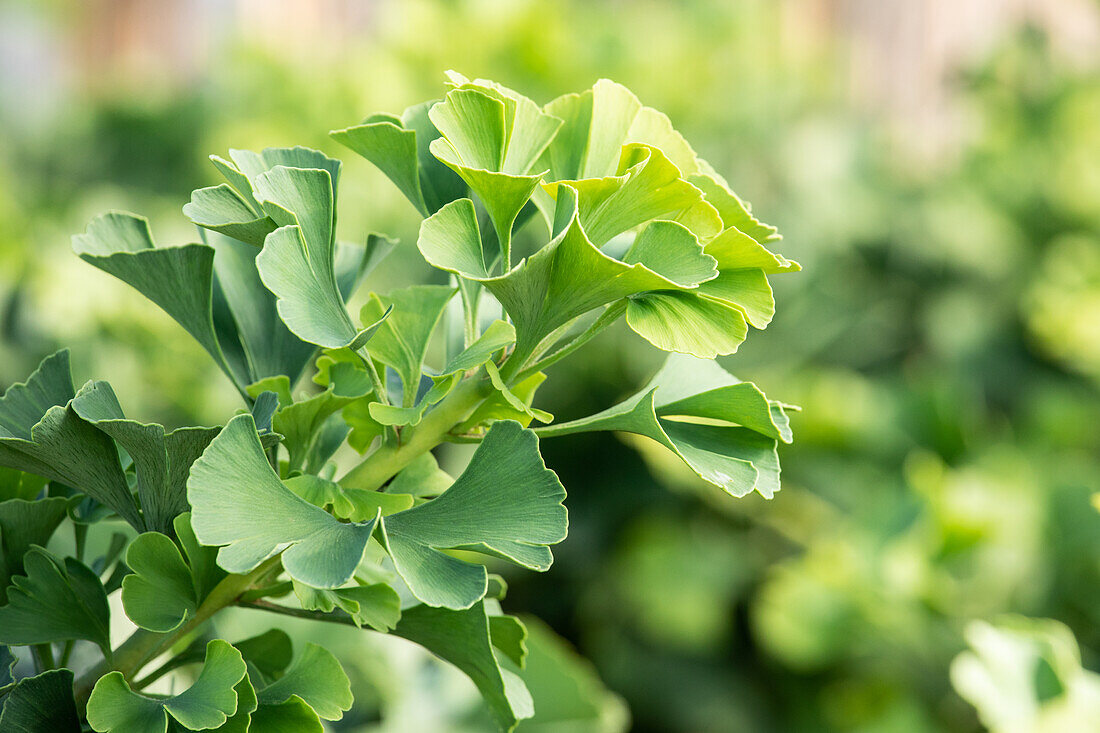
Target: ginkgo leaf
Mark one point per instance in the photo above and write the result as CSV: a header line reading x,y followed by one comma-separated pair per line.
x,y
421,478
724,429
239,503
356,505
646,186
115,708
161,458
490,139
401,341
376,605
297,263
40,432
463,638
315,677
167,586
41,704
8,661
399,147
16,484
178,279
23,524
687,323
222,209
506,504
563,280
499,406
54,601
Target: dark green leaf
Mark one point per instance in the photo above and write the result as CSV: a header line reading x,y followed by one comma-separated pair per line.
x,y
42,704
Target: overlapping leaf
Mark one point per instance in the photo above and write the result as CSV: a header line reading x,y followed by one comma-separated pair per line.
x,y
376,605
161,458
115,708
54,601
167,586
466,638
724,429
571,276
22,525
41,704
240,504
506,504
491,137
40,432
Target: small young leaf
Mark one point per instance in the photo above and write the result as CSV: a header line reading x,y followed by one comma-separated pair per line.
x,y
42,704
55,601
232,480
401,342
506,504
114,708
377,606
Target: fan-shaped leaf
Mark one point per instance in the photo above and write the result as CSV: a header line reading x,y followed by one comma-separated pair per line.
x,y
114,708
239,503
54,601
42,704
724,429
506,503
23,524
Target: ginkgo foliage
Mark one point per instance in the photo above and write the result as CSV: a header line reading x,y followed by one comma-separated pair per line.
x,y
548,223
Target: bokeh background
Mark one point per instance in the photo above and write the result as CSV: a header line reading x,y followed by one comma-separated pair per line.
x,y
933,164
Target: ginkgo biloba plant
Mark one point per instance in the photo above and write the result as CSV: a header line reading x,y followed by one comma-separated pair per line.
x,y
259,514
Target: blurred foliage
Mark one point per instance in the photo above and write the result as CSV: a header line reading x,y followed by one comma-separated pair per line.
x,y
944,342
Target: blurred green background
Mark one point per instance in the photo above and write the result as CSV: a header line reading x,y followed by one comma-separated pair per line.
x,y
934,166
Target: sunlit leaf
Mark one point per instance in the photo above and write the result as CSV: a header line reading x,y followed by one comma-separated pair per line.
x,y
506,504
232,479
724,429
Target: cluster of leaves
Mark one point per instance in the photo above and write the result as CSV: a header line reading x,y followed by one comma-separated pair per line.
x,y
252,514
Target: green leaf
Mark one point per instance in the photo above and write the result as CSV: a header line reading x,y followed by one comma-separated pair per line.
x,y
687,323
724,429
161,458
646,186
7,666
299,422
166,587
506,504
598,122
564,280
222,209
23,524
401,341
41,433
566,691
55,601
488,140
421,478
42,704
178,279
114,708
357,505
297,263
316,678
734,212
463,639
15,484
498,336
377,605
500,407
399,147
292,716
231,479
268,348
